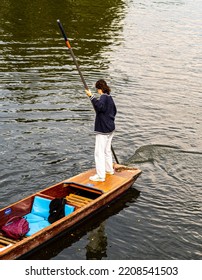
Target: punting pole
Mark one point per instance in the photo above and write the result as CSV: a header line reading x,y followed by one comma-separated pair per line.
x,y
72,53
78,68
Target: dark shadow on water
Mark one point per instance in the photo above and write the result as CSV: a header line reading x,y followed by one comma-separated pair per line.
x,y
96,249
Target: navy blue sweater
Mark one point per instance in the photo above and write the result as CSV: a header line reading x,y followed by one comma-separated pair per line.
x,y
105,109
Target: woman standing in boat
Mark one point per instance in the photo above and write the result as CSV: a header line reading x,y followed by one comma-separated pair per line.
x,y
104,127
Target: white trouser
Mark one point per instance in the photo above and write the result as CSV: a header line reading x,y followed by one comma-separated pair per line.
x,y
103,154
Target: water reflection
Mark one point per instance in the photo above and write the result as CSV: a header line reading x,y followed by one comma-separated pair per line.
x,y
35,61
91,24
96,249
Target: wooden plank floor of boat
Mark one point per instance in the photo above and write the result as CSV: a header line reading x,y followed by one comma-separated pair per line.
x,y
111,181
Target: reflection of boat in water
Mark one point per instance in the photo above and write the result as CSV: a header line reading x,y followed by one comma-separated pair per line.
x,y
83,199
96,247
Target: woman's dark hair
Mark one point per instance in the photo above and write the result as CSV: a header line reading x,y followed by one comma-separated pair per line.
x,y
101,84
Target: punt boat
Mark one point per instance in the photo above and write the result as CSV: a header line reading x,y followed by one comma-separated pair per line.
x,y
83,199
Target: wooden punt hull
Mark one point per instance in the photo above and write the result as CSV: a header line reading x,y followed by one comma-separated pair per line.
x,y
86,196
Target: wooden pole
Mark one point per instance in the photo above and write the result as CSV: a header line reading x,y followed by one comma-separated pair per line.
x,y
78,68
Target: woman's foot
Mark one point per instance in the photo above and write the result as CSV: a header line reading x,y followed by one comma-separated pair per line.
x,y
96,178
110,172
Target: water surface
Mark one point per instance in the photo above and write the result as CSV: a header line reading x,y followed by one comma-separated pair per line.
x,y
150,54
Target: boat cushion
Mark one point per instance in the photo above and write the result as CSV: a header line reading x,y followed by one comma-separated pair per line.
x,y
40,207
36,226
32,218
68,209
38,217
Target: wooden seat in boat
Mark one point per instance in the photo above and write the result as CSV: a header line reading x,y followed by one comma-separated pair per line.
x,y
77,200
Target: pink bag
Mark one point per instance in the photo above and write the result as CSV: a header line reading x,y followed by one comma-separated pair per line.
x,y
16,227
